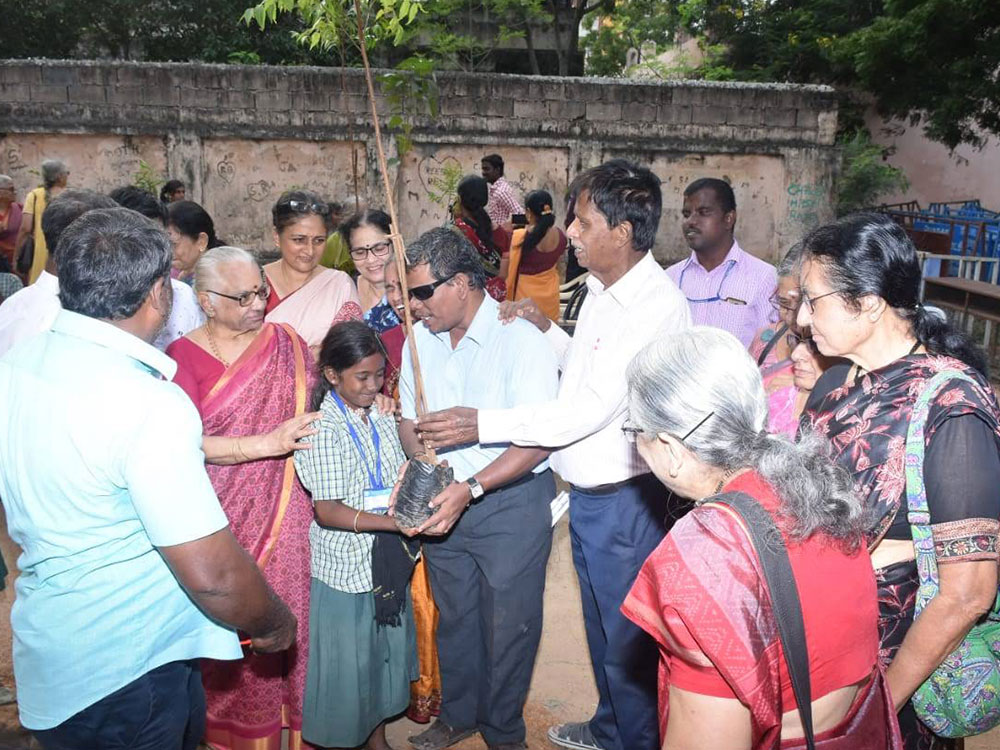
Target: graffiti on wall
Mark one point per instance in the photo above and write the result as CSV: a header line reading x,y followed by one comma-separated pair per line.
x,y
100,163
429,173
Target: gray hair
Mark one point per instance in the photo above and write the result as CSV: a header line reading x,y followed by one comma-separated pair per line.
x,y
792,262
6,181
206,268
109,260
52,170
674,382
448,253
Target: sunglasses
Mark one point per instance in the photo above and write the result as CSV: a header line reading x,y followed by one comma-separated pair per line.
x,y
378,249
305,206
632,431
794,339
246,298
426,291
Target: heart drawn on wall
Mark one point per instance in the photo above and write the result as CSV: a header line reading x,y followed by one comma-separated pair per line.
x,y
226,170
431,171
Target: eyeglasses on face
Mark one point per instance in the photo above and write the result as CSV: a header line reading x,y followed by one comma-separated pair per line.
x,y
378,249
811,301
305,206
632,430
789,304
426,291
246,298
794,339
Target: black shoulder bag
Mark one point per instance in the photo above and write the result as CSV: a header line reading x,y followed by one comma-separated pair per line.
x,y
773,556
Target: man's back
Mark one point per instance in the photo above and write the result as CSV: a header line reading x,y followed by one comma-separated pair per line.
x,y
100,461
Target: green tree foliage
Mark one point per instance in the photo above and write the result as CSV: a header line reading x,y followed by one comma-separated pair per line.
x,y
929,61
935,60
629,24
161,30
864,175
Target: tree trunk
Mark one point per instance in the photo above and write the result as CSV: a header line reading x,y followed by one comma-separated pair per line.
x,y
560,52
532,57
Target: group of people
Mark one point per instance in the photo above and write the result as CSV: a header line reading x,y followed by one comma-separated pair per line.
x,y
213,515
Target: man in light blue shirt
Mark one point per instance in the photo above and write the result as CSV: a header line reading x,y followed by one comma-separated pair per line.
x,y
492,531
129,573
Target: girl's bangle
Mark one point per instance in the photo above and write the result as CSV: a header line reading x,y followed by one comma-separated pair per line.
x,y
356,516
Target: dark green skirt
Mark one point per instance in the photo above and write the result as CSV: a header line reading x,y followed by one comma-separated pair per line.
x,y
358,675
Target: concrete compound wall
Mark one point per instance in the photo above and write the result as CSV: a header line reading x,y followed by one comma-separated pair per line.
x,y
240,135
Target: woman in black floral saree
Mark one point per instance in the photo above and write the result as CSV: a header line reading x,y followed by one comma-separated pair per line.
x,y
860,284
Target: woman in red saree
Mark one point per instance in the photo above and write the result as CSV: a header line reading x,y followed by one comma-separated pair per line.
x,y
698,410
492,243
250,381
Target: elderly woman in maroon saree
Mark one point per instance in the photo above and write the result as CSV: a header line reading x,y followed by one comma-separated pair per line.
x,y
698,410
250,382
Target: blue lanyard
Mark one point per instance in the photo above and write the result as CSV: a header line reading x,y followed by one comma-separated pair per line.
x,y
730,265
374,480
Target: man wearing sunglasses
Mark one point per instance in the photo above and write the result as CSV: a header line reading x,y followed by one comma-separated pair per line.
x,y
492,528
617,508
725,286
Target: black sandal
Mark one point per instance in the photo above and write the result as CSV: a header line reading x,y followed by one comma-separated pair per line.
x,y
439,736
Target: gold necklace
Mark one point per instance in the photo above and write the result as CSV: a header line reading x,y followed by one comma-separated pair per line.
x,y
211,343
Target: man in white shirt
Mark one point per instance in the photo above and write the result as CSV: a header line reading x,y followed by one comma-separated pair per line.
x,y
493,524
617,509
34,308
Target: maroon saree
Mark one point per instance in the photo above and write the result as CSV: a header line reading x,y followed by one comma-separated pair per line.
x,y
252,700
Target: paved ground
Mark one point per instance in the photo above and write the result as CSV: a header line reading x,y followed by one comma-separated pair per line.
x,y
562,688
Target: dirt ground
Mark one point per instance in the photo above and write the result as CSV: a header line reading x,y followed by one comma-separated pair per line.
x,y
562,688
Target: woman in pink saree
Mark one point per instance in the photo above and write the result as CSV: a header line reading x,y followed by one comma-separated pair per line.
x,y
250,380
304,294
789,383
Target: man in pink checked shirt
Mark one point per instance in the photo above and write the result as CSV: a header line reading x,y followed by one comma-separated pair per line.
x,y
503,203
725,286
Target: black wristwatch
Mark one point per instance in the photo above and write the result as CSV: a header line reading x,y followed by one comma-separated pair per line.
x,y
476,489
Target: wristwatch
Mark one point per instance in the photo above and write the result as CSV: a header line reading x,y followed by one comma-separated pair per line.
x,y
476,489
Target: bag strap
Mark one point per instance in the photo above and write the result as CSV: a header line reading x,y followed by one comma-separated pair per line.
x,y
917,512
785,604
770,344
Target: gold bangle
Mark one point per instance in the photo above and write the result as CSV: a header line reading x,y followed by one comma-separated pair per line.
x,y
356,516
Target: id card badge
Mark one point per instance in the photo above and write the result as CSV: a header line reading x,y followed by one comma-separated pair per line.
x,y
377,501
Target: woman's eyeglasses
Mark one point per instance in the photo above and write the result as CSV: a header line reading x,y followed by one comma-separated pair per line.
x,y
305,206
632,431
794,339
246,298
426,291
378,249
811,301
788,304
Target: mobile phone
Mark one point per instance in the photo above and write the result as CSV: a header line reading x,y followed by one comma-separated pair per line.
x,y
519,220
